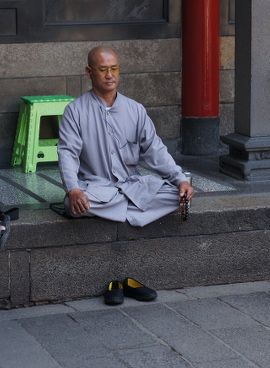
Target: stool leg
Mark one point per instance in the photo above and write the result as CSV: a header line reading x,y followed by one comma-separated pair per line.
x,y
20,138
30,162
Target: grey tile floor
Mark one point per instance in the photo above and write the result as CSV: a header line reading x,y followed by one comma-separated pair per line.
x,y
225,326
44,186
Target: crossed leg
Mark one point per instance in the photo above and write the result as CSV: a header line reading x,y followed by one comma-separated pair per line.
x,y
165,202
120,209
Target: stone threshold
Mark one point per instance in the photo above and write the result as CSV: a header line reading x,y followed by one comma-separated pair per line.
x,y
49,258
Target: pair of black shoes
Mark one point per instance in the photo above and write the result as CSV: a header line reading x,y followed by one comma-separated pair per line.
x,y
131,288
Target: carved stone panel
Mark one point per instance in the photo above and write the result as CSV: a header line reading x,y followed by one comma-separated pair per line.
x,y
103,11
88,20
8,24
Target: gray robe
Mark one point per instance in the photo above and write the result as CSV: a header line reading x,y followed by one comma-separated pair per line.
x,y
99,151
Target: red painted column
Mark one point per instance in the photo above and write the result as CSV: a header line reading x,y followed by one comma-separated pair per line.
x,y
200,76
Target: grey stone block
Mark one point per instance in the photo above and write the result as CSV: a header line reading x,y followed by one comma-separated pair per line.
x,y
173,146
19,277
208,221
252,343
43,228
255,305
202,259
20,349
153,357
224,290
14,88
47,59
8,124
166,120
33,312
212,314
231,363
70,58
183,336
249,201
74,86
226,119
26,236
152,89
85,83
140,56
165,296
115,330
227,51
75,271
65,339
164,263
4,275
5,156
108,361
89,304
166,226
227,86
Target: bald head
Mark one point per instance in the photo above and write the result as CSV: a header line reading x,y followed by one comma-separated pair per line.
x,y
97,51
103,69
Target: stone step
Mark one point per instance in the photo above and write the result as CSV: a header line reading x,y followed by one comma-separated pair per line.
x,y
51,258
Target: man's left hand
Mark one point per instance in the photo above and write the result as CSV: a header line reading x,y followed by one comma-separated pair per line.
x,y
185,189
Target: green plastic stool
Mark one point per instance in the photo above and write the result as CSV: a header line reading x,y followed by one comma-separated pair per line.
x,y
28,148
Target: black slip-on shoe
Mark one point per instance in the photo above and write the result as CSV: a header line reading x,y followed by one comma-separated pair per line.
x,y
135,289
114,293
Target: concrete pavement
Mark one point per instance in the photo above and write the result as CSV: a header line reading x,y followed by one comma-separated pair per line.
x,y
226,326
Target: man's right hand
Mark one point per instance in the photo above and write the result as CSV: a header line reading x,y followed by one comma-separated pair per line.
x,y
78,201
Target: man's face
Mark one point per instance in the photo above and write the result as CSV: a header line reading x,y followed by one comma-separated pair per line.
x,y
104,72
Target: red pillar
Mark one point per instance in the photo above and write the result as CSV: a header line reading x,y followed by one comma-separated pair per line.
x,y
200,76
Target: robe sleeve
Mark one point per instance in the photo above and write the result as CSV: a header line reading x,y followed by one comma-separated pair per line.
x,y
155,154
69,148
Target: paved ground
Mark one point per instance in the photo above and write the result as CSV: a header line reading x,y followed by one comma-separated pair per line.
x,y
224,326
37,190
204,327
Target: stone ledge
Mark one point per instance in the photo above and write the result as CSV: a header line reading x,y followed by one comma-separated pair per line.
x,y
72,272
200,224
208,215
50,258
44,228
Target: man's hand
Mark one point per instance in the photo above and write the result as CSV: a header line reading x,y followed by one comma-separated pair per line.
x,y
185,189
78,201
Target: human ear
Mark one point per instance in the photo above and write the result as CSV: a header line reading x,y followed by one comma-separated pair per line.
x,y
88,70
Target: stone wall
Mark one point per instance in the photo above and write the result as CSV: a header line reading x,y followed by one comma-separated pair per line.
x,y
52,258
151,74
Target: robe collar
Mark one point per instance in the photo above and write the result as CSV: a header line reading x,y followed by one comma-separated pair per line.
x,y
102,103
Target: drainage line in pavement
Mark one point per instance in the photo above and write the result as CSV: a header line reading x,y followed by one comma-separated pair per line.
x,y
22,189
50,180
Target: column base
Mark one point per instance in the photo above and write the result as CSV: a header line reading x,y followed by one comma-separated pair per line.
x,y
249,158
200,136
